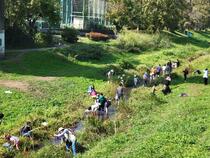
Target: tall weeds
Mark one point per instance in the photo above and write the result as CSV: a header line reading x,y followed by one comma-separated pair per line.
x,y
136,42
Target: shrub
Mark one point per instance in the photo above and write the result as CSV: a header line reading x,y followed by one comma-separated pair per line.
x,y
51,151
70,35
134,41
86,53
124,64
142,68
129,81
18,38
168,53
43,39
117,69
96,36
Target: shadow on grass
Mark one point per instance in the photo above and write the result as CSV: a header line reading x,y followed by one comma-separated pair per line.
x,y
180,38
178,79
48,64
80,148
205,34
62,63
96,53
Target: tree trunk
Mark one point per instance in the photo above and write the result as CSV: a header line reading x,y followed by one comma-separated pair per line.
x,y
32,28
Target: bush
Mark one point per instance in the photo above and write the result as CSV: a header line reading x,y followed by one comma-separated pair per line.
x,y
124,64
168,53
70,35
43,39
117,69
134,41
51,151
18,38
129,81
86,53
95,55
96,36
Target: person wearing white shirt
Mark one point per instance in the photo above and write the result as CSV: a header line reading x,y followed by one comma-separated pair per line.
x,y
13,141
164,69
110,75
68,137
135,81
205,76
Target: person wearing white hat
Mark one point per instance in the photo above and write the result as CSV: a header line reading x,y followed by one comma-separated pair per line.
x,y
68,137
110,75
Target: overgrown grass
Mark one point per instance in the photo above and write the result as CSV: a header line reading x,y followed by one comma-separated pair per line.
x,y
134,41
145,126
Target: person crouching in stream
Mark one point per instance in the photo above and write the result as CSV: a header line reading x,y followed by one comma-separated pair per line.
x,y
68,137
12,141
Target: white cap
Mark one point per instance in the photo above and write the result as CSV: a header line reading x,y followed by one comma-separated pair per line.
x,y
60,129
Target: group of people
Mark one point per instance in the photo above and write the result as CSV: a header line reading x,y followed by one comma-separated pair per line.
x,y
14,141
205,74
64,135
166,70
166,86
155,72
101,103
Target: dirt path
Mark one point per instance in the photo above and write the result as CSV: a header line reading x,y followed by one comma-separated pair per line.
x,y
23,86
45,78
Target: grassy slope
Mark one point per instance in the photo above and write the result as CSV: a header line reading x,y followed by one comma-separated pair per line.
x,y
158,126
166,126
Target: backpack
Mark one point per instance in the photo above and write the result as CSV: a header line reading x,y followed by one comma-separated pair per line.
x,y
25,129
108,103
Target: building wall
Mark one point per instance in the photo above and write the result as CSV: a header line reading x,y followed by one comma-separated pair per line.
x,y
2,36
82,13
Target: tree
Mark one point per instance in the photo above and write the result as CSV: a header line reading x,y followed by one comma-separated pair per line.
x,y
127,13
199,15
25,13
149,15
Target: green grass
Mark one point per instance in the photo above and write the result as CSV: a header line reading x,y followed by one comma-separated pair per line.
x,y
147,126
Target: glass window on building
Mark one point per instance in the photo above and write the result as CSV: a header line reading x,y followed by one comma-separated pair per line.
x,y
80,13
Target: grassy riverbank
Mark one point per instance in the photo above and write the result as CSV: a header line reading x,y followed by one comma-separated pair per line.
x,y
51,86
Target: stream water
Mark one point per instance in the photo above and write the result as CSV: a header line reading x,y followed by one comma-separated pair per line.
x,y
112,111
79,126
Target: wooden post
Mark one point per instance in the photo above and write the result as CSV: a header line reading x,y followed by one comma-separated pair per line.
x,y
2,32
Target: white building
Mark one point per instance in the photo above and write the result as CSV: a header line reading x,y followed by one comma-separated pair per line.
x,y
82,14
